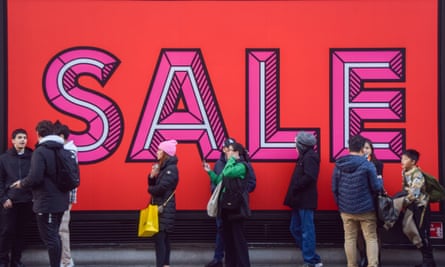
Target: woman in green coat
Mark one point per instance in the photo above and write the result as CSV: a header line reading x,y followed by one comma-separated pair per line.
x,y
233,206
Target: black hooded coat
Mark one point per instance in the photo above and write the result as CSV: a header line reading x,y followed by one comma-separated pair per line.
x,y
302,191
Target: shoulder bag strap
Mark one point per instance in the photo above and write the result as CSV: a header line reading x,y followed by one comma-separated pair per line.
x,y
168,199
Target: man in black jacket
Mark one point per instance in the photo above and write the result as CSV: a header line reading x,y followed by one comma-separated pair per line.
x,y
16,204
302,197
49,202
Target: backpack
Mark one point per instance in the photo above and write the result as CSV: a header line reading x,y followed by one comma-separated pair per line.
x,y
250,175
433,188
67,175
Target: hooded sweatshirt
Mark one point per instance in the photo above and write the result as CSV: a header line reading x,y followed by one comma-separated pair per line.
x,y
47,197
354,184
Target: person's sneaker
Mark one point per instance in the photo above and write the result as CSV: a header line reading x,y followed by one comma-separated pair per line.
x,y
70,264
313,265
17,264
363,262
214,263
432,264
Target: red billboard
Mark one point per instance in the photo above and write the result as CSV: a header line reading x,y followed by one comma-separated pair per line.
x,y
125,75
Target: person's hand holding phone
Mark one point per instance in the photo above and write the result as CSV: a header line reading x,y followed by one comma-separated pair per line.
x,y
16,184
206,166
154,170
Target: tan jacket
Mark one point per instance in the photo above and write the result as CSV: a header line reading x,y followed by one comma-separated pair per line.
x,y
414,186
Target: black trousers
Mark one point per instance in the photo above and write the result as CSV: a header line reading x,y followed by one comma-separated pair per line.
x,y
48,224
162,244
422,219
13,222
235,243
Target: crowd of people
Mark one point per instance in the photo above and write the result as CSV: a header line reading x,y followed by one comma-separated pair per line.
x,y
356,181
26,188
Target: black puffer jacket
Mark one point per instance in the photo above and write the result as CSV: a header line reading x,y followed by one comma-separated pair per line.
x,y
14,167
47,197
302,192
161,188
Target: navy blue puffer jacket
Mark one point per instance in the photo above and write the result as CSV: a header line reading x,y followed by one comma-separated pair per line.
x,y
354,184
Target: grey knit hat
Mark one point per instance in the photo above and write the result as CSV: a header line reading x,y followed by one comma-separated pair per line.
x,y
306,139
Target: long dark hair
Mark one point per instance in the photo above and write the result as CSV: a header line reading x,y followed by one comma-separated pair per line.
x,y
372,156
243,153
373,159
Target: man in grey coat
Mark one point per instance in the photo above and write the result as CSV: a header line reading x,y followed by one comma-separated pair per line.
x,y
302,197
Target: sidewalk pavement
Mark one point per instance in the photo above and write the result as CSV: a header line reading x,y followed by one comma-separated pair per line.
x,y
199,254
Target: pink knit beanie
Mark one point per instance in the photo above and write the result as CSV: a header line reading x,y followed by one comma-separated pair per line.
x,y
168,147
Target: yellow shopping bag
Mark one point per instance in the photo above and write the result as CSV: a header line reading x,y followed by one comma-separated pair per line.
x,y
148,221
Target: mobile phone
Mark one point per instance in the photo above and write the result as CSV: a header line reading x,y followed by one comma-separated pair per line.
x,y
205,164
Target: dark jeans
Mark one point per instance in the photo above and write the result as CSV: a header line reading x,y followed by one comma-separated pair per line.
x,y
13,222
237,252
48,224
162,244
219,240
